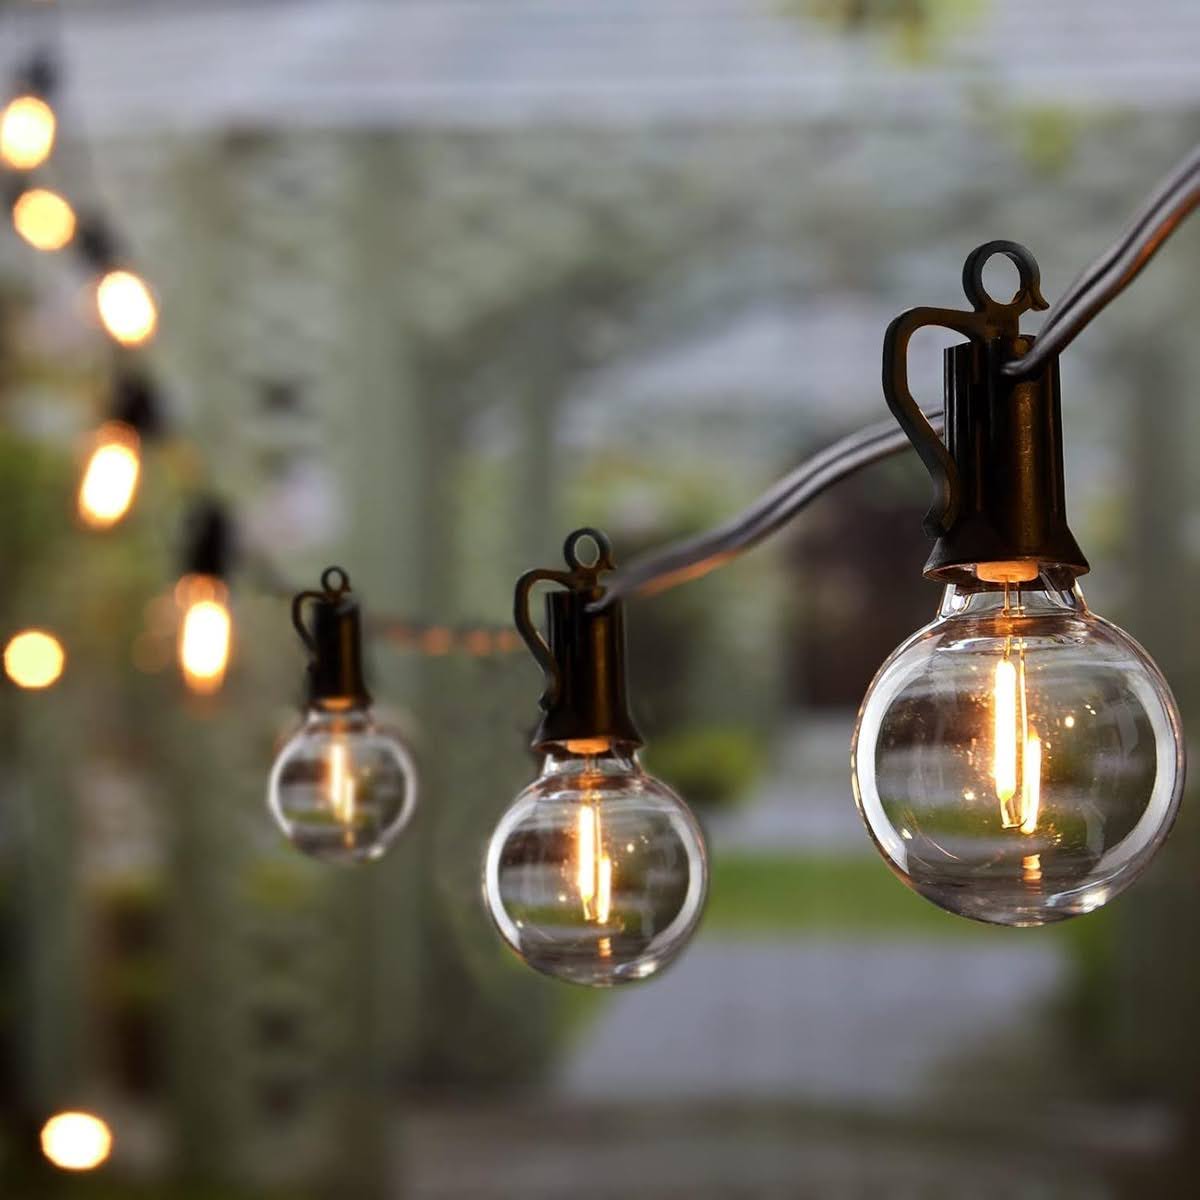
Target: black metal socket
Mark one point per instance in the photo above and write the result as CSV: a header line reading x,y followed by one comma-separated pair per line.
x,y
333,638
582,654
999,505
135,402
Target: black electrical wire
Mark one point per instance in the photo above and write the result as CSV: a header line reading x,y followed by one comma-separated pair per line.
x,y
1110,274
696,556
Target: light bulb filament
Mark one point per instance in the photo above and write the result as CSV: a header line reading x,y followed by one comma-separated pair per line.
x,y
594,868
341,787
1017,749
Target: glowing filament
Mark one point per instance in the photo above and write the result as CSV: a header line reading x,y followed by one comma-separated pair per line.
x,y
206,634
341,786
587,836
1017,749
76,1141
1031,783
127,310
110,478
1004,711
44,219
604,889
27,127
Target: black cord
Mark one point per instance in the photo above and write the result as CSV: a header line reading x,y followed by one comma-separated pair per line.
x,y
1106,278
696,556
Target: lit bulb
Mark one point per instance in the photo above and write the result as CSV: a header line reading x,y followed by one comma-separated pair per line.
x,y
44,219
127,309
597,874
27,127
110,478
205,633
1019,760
342,789
76,1141
34,659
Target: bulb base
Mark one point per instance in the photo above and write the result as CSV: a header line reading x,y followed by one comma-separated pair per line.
x,y
585,699
333,636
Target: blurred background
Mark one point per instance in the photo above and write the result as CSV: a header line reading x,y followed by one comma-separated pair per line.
x,y
439,281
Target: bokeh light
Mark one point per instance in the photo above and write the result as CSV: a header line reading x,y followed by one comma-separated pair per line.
x,y
206,633
44,219
34,659
27,127
76,1141
127,309
110,478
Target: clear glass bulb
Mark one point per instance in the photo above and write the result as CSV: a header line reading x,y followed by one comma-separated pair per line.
x,y
597,874
1019,760
342,789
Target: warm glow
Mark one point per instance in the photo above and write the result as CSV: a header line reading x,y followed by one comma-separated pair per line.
x,y
26,133
34,659
341,786
1031,783
586,838
110,478
127,309
1004,753
1016,749
44,219
76,1141
604,889
204,639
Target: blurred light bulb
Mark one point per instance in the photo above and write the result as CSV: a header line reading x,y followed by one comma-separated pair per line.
x,y
27,127
76,1141
205,633
342,789
110,478
34,659
1019,760
44,219
126,307
597,874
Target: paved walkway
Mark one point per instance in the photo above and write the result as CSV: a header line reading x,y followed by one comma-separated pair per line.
x,y
821,1019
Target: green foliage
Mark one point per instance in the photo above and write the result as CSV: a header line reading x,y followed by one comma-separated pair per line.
x,y
711,766
916,29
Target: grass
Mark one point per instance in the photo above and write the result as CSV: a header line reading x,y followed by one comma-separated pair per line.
x,y
775,894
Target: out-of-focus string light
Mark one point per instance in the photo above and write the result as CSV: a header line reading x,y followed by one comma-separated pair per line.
x,y
205,634
110,478
34,659
76,1141
27,128
206,625
126,307
44,219
112,472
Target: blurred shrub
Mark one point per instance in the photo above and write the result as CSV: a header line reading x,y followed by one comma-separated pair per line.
x,y
710,766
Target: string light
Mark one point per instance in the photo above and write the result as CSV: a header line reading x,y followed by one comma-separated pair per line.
x,y
202,597
44,219
126,307
342,789
27,128
76,1141
110,478
34,659
597,873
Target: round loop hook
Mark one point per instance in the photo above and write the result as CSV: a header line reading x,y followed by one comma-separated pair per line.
x,y
1028,295
335,581
603,560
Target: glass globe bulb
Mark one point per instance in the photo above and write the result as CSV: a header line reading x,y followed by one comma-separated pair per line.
x,y
597,874
1019,760
342,789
